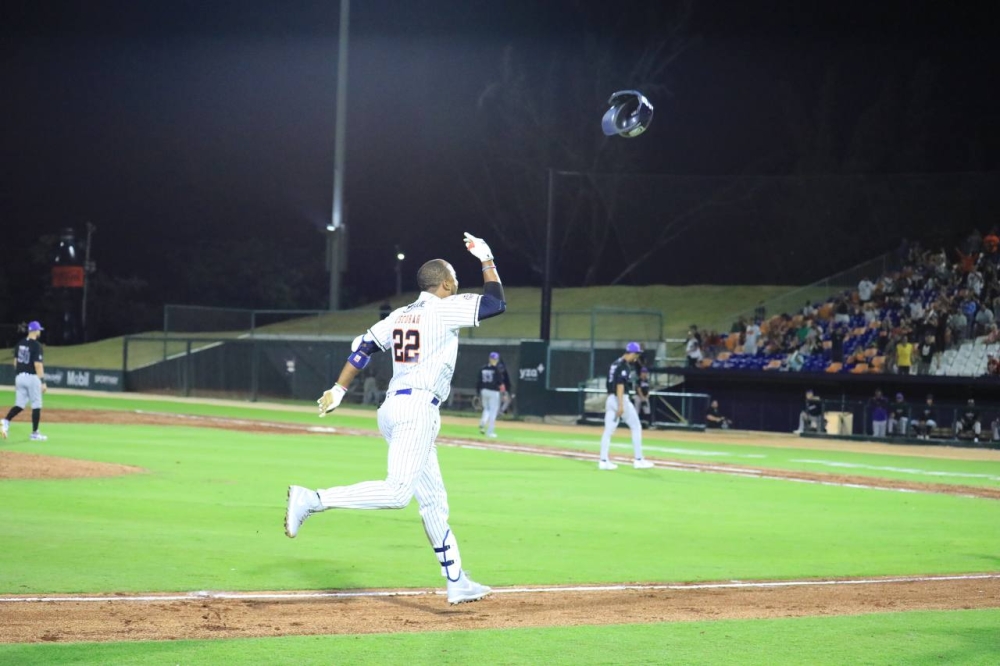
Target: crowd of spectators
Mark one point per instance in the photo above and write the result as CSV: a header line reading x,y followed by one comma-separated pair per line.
x,y
900,322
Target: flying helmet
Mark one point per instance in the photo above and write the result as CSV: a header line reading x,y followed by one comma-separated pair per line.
x,y
629,115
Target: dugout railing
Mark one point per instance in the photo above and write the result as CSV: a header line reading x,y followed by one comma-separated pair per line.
x,y
855,418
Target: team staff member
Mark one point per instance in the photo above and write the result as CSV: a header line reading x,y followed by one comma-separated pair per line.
x,y
968,421
618,406
423,340
29,383
489,385
641,398
812,413
926,419
714,417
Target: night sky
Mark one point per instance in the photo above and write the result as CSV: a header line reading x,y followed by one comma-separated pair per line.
x,y
182,129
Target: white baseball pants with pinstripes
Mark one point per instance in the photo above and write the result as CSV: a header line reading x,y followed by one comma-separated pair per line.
x,y
410,424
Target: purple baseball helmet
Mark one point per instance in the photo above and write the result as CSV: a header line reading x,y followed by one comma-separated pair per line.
x,y
633,348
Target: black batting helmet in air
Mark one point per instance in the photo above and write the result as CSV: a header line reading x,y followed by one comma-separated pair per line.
x,y
629,115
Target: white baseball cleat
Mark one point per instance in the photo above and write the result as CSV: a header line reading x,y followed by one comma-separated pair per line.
x,y
302,503
36,436
465,589
3,427
642,464
492,435
606,465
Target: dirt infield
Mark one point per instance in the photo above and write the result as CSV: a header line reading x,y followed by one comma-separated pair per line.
x,y
208,615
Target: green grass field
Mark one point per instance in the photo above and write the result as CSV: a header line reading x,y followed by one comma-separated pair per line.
x,y
206,515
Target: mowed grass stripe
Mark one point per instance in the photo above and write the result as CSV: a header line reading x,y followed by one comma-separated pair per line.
x,y
207,515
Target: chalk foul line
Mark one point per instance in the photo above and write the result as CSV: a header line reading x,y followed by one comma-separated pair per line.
x,y
348,594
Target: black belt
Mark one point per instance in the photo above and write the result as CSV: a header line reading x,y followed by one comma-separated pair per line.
x,y
434,401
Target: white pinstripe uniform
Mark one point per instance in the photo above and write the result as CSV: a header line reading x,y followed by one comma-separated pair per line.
x,y
423,339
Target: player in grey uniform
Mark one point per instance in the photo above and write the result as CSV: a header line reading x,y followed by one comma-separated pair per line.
x,y
29,381
618,407
490,381
423,340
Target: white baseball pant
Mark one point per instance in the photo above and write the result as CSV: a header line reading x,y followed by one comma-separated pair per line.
x,y
410,424
631,418
491,406
28,388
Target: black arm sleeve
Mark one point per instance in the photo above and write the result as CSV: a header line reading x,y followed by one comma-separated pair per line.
x,y
492,303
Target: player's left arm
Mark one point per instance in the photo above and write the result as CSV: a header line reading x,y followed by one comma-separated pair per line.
x,y
362,349
493,302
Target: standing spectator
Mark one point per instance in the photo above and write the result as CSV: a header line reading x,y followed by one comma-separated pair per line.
x,y
904,355
974,281
865,289
714,418
29,381
880,413
837,344
926,419
811,416
958,324
752,338
899,417
739,326
692,349
926,353
809,310
968,422
760,312
641,398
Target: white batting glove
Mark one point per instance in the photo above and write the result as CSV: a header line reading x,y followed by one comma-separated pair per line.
x,y
478,247
331,399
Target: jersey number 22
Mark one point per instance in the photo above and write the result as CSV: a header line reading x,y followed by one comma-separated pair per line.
x,y
406,345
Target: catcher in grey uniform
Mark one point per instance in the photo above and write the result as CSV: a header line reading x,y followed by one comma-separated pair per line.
x,y
29,383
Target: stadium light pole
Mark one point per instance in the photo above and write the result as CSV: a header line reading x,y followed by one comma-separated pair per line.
x,y
546,323
336,246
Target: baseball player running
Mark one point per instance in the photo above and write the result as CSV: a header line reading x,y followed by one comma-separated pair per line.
x,y
423,340
617,406
29,383
489,384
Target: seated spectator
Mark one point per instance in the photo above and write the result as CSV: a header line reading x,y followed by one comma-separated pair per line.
x,y
714,418
968,422
841,313
984,321
752,339
692,349
809,310
865,289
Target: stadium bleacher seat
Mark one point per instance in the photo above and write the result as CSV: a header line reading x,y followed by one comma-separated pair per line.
x,y
859,369
834,367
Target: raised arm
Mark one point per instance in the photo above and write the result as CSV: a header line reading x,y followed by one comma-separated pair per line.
x,y
493,302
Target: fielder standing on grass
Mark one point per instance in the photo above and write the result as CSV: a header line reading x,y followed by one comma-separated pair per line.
x,y
29,381
618,407
423,340
489,385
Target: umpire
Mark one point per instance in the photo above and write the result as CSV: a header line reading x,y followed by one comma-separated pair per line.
x,y
29,383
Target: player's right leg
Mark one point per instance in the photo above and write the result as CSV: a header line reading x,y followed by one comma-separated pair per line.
x,y
631,418
610,424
